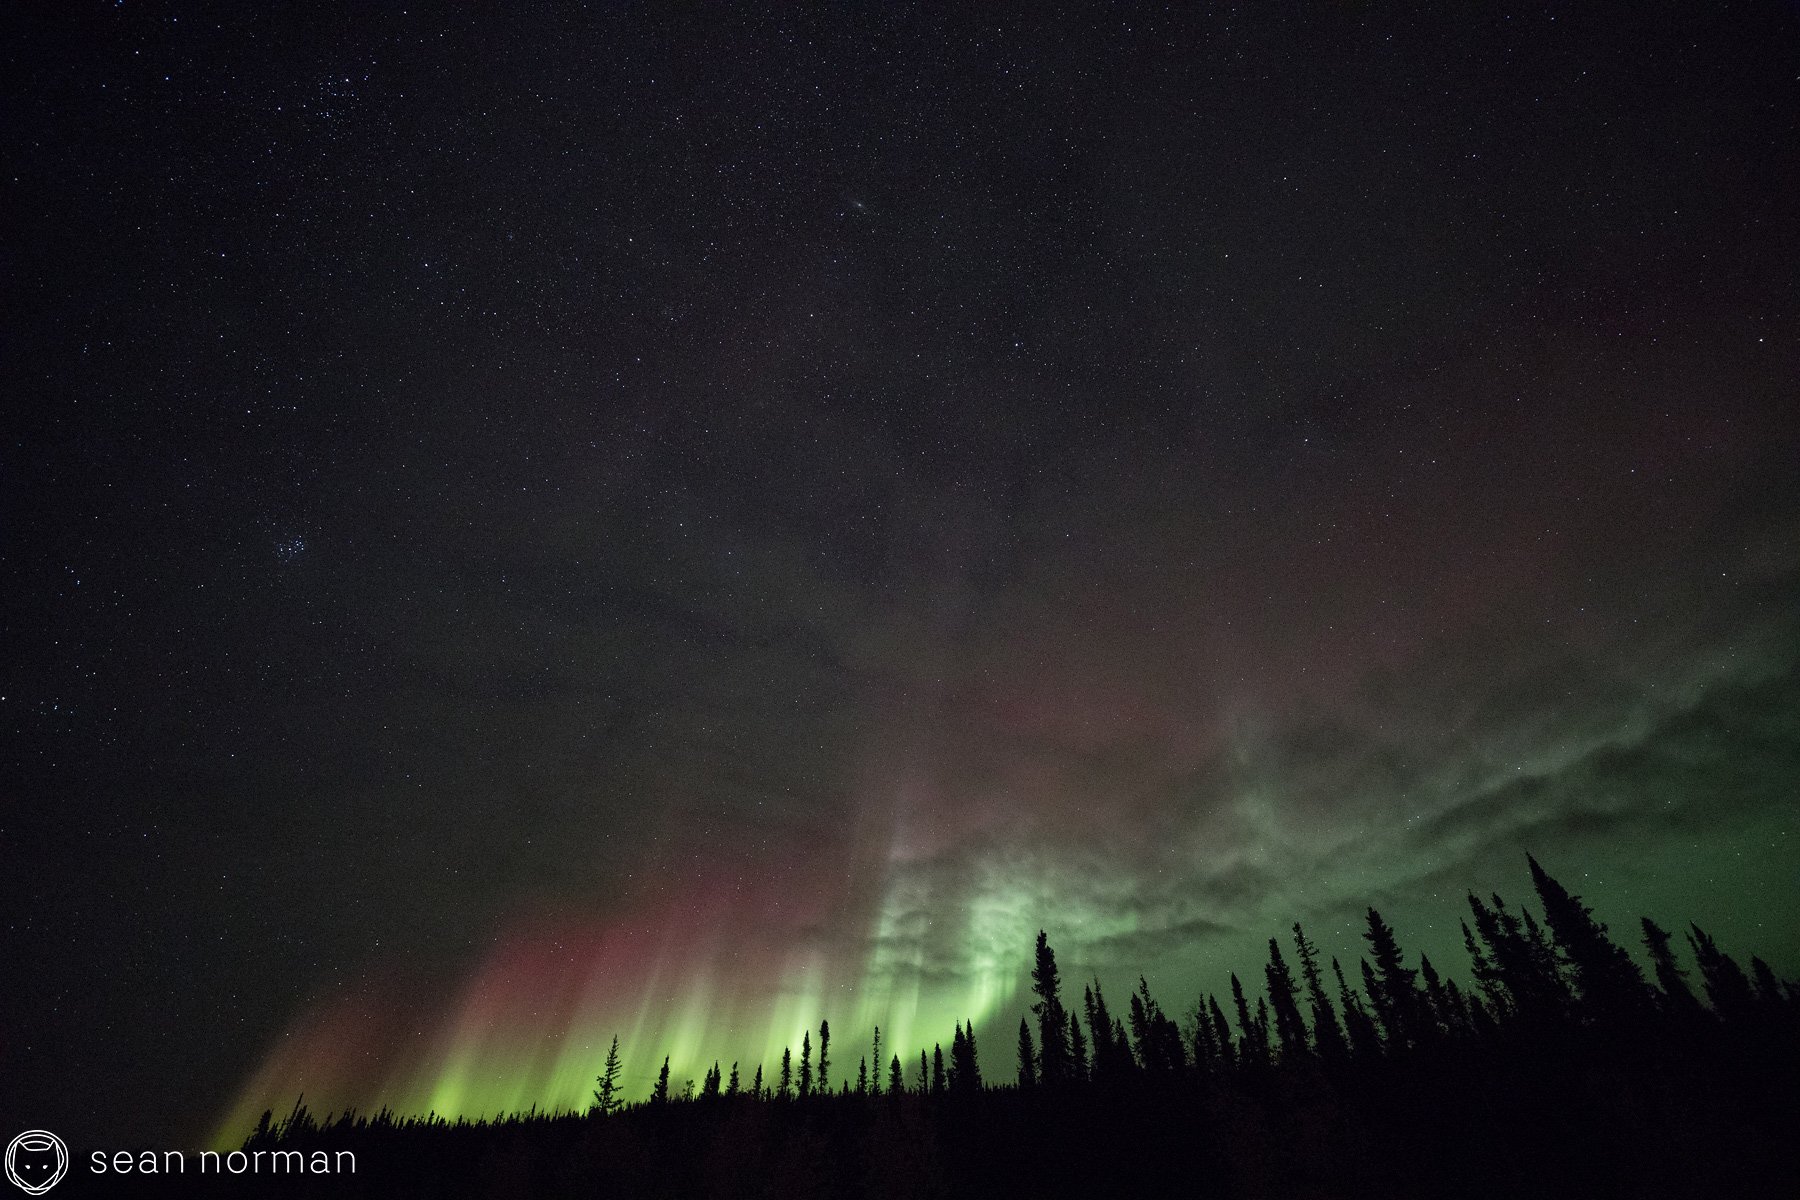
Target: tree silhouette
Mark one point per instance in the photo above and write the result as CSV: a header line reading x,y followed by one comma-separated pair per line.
x,y
1677,997
606,1093
1046,984
1727,989
1253,1052
1359,1027
660,1094
1228,1055
1392,986
1284,999
1078,1051
1541,1104
875,1057
1327,1037
1768,988
1607,982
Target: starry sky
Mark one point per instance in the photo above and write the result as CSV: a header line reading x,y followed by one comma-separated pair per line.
x,y
528,524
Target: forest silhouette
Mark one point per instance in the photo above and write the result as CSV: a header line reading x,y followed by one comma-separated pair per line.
x,y
1560,1067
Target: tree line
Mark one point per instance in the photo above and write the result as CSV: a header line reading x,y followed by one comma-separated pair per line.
x,y
1557,1062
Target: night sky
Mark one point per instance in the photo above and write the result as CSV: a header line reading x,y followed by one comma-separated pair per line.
x,y
525,524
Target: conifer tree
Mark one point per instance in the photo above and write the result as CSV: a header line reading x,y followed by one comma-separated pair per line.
x,y
1027,1056
731,1089
965,1068
806,1075
1228,1053
709,1086
1078,1051
1327,1037
1727,989
824,1055
1250,1055
1459,1006
1394,989
1046,984
896,1080
1436,1014
1768,988
1607,981
1487,977
660,1094
924,1072
1284,999
937,1069
787,1074
1205,1055
862,1076
875,1057
606,1094
756,1088
1359,1027
1677,997
1110,1055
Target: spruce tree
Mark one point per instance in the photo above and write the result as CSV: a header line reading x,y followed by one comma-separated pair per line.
x,y
862,1076
1359,1027
937,1069
660,1094
731,1089
1228,1052
1768,988
606,1094
1206,1054
1396,991
1677,998
1487,977
875,1057
1027,1056
1607,982
787,1074
896,1080
1250,1055
1436,1014
1327,1037
756,1087
824,1056
806,1074
1284,998
1727,989
1046,984
1078,1051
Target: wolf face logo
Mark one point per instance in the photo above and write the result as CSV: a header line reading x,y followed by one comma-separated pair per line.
x,y
36,1160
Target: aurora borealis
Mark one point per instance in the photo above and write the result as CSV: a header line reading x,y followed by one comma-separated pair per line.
x,y
685,526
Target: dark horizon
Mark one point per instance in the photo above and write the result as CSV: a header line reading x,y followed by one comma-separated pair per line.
x,y
524,527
